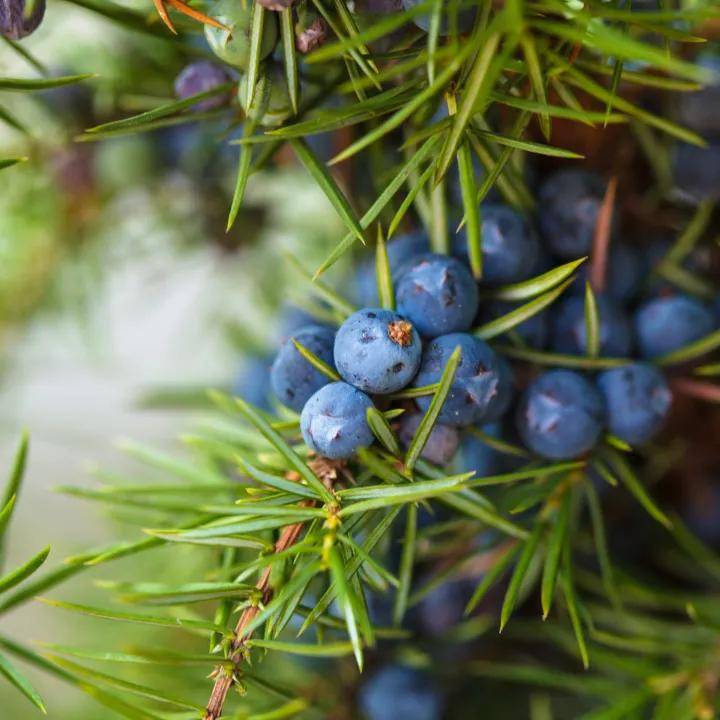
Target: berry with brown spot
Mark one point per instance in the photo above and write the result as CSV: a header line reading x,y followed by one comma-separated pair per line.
x,y
377,351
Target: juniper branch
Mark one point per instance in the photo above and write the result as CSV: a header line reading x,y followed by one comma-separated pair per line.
x,y
224,678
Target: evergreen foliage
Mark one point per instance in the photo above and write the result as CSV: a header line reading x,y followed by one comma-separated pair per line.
x,y
333,561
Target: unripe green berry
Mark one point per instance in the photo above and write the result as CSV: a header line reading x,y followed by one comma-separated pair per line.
x,y
234,47
271,105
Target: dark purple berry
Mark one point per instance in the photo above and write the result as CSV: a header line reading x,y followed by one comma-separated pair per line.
x,y
19,18
199,77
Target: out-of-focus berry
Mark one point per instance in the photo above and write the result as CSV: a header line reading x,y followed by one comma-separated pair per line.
x,y
19,18
199,77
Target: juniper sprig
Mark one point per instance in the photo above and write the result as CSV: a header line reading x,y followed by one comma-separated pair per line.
x,y
476,445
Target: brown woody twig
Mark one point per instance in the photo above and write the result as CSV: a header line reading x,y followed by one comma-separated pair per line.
x,y
224,679
328,472
601,240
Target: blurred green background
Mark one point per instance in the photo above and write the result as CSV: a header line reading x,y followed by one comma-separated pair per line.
x,y
112,283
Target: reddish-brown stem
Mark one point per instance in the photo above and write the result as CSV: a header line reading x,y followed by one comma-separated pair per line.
x,y
601,240
697,389
224,678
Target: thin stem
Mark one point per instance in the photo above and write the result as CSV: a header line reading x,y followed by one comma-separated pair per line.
x,y
601,241
327,471
224,679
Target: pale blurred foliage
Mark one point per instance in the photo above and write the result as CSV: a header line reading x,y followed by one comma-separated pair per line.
x,y
88,320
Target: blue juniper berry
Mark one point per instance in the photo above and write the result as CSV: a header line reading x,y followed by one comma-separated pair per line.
x,y
700,110
400,250
568,206
510,250
377,351
333,421
442,608
668,323
396,691
701,509
252,383
293,378
293,318
534,331
437,294
500,401
480,384
637,401
569,328
379,7
696,171
623,275
561,415
476,456
441,445
654,253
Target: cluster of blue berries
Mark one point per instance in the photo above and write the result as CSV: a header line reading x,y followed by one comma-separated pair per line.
x,y
376,353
